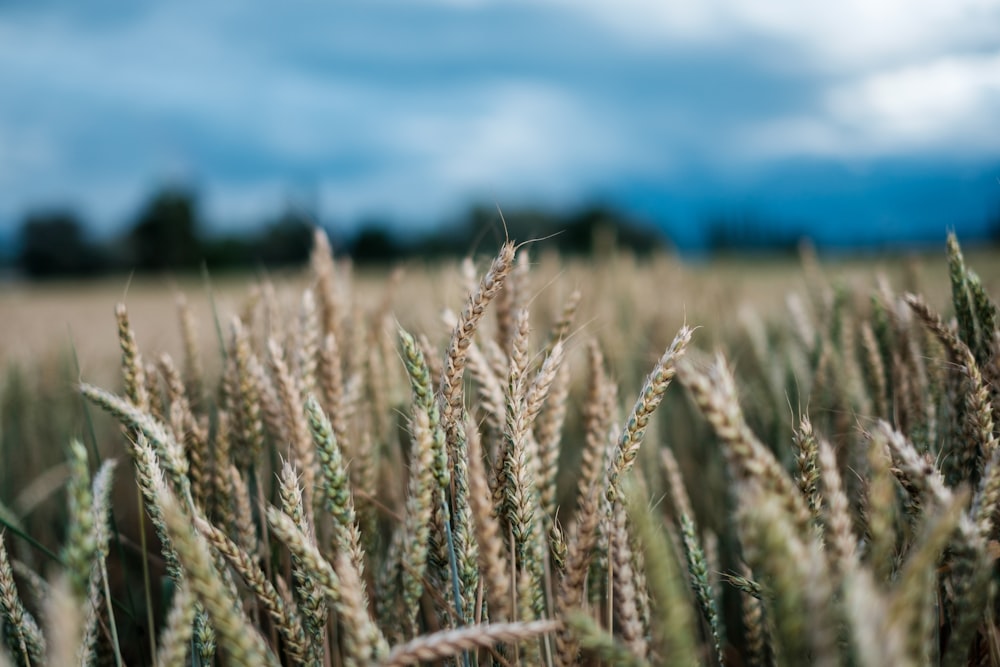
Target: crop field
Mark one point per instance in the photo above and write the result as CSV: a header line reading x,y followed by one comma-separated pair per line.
x,y
513,460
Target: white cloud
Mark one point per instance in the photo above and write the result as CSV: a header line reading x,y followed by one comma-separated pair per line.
x,y
863,34
509,139
943,99
522,131
948,105
828,36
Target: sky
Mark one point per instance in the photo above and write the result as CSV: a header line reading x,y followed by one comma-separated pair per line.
x,y
861,121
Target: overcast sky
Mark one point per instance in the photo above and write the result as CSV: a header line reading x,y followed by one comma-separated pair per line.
x,y
871,116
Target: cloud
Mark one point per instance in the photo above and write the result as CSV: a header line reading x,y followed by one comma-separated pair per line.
x,y
853,34
511,141
945,106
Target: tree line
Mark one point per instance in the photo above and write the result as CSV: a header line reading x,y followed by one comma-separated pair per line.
x,y
170,234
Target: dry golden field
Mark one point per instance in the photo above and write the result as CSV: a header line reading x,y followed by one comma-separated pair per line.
x,y
517,460
39,320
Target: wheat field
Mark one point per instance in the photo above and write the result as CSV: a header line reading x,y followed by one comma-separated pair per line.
x,y
512,461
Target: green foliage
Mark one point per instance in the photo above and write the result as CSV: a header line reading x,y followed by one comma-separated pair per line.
x,y
53,243
169,234
165,235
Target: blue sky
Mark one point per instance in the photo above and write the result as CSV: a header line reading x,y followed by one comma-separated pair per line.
x,y
865,120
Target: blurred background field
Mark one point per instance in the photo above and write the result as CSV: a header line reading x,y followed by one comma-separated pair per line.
x,y
43,319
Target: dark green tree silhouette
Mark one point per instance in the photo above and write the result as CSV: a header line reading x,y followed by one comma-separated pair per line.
x,y
375,244
52,243
165,235
288,240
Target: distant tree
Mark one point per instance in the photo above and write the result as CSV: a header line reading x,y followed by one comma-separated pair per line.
x,y
591,230
288,240
529,223
375,244
484,227
166,234
598,230
228,252
52,243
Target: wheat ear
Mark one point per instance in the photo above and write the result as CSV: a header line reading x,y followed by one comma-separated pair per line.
x,y
650,397
175,638
24,636
448,643
239,639
285,618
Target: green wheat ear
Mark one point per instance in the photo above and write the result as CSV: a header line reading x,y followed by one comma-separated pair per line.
x,y
968,327
23,637
81,542
673,630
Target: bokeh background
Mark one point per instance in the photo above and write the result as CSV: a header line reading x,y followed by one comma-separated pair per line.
x,y
160,134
